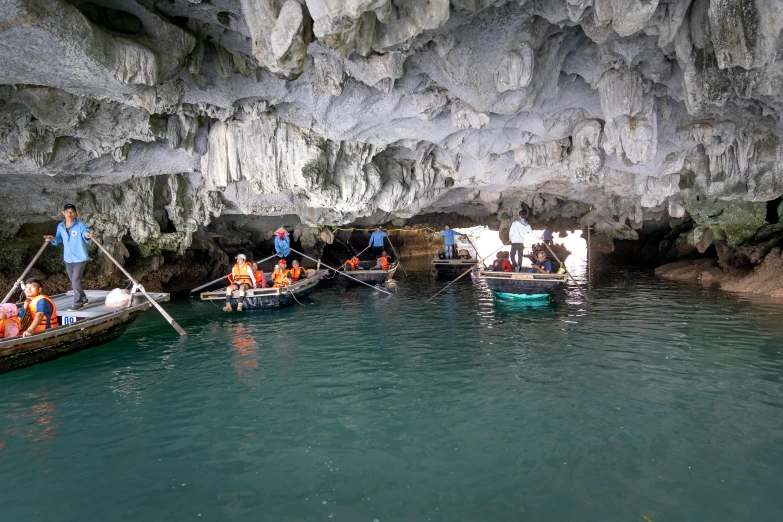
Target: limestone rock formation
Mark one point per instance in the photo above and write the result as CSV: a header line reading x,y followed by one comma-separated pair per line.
x,y
160,116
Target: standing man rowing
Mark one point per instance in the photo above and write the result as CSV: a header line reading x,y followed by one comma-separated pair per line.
x,y
74,235
519,230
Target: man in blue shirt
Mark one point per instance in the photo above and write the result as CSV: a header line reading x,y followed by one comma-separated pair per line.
x,y
74,235
448,235
542,265
376,241
547,236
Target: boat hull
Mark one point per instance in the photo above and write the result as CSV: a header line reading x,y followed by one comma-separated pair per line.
x,y
452,268
18,352
522,284
370,275
270,298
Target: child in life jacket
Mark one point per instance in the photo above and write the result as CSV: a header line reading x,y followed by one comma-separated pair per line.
x,y
9,321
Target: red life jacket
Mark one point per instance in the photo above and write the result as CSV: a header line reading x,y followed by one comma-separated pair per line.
x,y
31,308
352,264
6,321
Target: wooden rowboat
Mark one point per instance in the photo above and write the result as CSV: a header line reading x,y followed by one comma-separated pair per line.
x,y
94,325
521,284
451,268
370,275
270,298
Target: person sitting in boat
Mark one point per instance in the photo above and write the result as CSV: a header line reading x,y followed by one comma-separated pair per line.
x,y
241,278
280,275
283,244
40,312
383,262
501,264
259,275
9,321
448,235
542,265
352,264
464,254
297,273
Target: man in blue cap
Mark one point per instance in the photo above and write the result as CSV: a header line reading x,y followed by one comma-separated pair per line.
x,y
74,235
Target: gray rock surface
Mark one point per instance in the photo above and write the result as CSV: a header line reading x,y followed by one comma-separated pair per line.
x,y
611,112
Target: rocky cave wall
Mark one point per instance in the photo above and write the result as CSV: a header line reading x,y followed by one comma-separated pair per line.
x,y
159,117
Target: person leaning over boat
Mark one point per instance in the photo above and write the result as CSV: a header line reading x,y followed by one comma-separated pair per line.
x,y
383,262
280,275
519,230
283,244
542,264
9,321
376,241
448,235
259,276
39,312
297,272
352,264
74,235
241,278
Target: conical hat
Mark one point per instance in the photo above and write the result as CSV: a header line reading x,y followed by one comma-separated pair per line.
x,y
281,230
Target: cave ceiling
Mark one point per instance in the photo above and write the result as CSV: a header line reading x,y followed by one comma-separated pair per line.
x,y
610,112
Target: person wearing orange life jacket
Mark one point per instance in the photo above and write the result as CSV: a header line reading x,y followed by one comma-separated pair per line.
x,y
296,273
383,262
241,278
40,312
9,321
352,264
280,276
260,276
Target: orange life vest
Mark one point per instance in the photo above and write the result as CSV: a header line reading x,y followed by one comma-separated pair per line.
x,y
240,275
31,308
352,264
384,262
279,279
297,273
5,322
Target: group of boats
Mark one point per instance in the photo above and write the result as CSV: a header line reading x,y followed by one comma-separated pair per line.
x,y
97,323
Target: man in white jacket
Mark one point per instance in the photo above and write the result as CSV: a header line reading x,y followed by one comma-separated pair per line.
x,y
519,229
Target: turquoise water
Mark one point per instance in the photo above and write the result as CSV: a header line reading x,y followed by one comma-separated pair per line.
x,y
653,400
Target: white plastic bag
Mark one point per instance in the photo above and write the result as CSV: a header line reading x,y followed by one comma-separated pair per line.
x,y
118,298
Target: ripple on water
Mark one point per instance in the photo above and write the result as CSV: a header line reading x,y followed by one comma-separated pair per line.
x,y
650,399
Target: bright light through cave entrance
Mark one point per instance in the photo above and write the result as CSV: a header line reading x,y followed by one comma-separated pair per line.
x,y
487,241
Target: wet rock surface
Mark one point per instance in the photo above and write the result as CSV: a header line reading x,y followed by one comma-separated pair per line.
x,y
162,119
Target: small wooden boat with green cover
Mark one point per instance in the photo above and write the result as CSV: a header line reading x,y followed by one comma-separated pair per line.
x,y
521,284
91,326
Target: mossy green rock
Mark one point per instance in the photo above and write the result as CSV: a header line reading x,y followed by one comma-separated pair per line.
x,y
739,220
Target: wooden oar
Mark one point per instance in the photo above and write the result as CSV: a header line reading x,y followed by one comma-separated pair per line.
x,y
219,279
398,257
448,285
341,273
168,318
21,277
564,268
